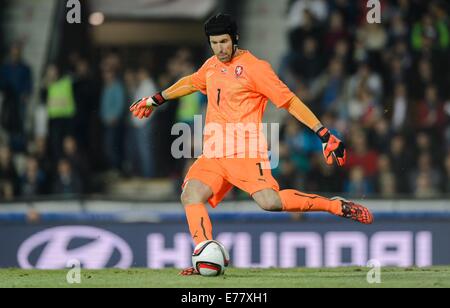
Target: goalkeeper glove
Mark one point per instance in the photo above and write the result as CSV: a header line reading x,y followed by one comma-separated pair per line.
x,y
332,147
145,106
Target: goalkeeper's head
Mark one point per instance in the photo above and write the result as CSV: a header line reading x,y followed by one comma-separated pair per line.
x,y
222,33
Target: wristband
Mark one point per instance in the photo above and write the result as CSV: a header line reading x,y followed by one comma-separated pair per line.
x,y
323,134
159,99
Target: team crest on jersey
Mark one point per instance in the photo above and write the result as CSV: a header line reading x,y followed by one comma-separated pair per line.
x,y
238,71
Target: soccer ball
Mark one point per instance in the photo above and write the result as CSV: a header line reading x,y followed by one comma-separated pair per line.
x,y
210,258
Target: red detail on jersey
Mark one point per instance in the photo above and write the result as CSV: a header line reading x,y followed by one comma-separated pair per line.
x,y
239,70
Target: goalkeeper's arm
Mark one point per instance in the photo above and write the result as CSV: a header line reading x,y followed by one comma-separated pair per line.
x,y
181,88
145,106
332,146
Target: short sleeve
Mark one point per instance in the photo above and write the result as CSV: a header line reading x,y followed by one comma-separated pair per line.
x,y
268,84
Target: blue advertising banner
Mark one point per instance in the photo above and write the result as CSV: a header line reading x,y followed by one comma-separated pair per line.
x,y
251,244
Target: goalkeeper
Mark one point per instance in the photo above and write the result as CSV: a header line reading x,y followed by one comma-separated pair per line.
x,y
238,86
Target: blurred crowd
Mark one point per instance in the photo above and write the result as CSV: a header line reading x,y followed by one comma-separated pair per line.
x,y
383,88
80,137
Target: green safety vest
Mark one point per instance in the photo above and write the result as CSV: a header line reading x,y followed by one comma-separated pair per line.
x,y
188,107
60,99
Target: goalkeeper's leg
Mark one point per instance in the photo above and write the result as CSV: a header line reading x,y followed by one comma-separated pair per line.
x,y
296,201
193,198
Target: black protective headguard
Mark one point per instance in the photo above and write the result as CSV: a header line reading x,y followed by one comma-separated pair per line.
x,y
222,24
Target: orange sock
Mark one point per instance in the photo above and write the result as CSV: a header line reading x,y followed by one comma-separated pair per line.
x,y
199,223
295,201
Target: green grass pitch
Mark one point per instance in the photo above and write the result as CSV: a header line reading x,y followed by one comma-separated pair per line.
x,y
233,278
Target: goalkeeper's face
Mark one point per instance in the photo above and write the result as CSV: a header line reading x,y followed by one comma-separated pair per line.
x,y
222,46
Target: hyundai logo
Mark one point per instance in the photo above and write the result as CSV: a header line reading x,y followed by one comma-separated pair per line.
x,y
95,249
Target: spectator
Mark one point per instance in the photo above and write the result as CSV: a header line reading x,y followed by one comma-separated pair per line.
x,y
61,108
328,88
8,173
434,30
364,108
397,75
422,78
424,188
398,30
140,142
424,144
365,78
111,62
359,155
6,190
342,53
430,112
67,183
401,52
77,159
40,153
309,63
358,185
111,112
16,84
336,31
360,52
380,135
398,63
374,38
425,169
388,186
385,180
33,180
309,28
399,109
402,161
84,91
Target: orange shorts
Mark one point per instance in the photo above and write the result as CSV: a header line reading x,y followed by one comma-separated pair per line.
x,y
221,174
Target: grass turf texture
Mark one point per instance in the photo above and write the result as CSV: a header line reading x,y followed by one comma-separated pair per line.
x,y
233,278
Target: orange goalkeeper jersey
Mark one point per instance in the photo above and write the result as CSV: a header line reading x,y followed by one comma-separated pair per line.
x,y
238,92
